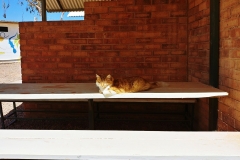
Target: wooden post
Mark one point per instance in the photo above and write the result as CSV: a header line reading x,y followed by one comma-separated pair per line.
x,y
44,11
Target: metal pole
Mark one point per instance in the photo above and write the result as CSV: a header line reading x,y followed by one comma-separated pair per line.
x,y
90,114
15,111
44,11
214,61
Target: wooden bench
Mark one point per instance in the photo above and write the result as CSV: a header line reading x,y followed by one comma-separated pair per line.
x,y
121,145
176,92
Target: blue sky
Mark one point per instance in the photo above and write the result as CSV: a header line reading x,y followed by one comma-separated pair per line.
x,y
18,13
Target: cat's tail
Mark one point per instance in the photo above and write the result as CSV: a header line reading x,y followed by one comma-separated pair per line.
x,y
158,84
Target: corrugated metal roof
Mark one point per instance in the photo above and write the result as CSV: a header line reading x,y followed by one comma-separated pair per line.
x,y
66,5
2,21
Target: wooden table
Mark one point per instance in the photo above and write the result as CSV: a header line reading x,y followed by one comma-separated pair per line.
x,y
176,91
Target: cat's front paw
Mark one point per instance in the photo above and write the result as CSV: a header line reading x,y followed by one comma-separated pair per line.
x,y
108,93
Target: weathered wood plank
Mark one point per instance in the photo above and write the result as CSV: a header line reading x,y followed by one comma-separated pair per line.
x,y
72,144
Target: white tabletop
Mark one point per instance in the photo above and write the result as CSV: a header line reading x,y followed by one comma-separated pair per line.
x,y
73,144
77,91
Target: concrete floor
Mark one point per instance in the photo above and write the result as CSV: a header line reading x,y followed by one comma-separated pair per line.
x,y
10,73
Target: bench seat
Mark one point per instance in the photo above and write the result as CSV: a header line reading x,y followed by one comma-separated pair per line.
x,y
136,145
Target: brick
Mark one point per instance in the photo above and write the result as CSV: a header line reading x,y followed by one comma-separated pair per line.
x,y
104,22
86,35
108,16
160,14
95,41
222,126
127,65
88,59
120,34
97,10
170,46
237,125
143,40
72,35
127,28
92,16
92,4
135,8
152,59
153,46
160,1
126,53
142,2
232,33
33,29
71,47
78,41
109,3
229,23
160,52
120,47
204,5
124,15
117,9
111,41
103,47
65,65
235,114
126,2
104,54
234,11
79,54
111,28
143,53
127,41
178,14
227,4
41,47
160,40
136,47
88,47
143,15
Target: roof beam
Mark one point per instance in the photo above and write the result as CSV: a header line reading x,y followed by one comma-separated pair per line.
x,y
60,5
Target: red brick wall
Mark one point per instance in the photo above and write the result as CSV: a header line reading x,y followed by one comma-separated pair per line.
x,y
229,107
125,38
146,38
198,53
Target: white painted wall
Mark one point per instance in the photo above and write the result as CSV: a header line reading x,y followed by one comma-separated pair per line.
x,y
9,42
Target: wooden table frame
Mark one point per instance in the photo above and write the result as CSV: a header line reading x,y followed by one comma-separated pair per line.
x,y
176,92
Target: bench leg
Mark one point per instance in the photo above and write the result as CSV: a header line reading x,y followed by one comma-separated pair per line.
x,y
90,114
2,117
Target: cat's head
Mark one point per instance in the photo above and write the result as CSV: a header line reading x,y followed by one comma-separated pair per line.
x,y
104,82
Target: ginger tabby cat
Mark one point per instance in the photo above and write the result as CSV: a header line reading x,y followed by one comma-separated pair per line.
x,y
110,86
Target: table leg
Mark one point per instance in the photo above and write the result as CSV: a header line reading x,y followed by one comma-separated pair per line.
x,y
2,117
15,111
192,116
90,114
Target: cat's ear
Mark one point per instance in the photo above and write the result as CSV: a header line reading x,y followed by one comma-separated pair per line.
x,y
97,76
109,76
